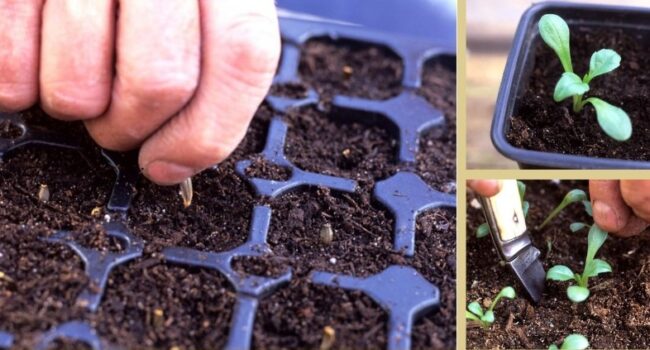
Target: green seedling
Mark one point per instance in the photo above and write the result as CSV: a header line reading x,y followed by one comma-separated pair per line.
x,y
572,342
475,313
593,267
613,120
573,196
484,229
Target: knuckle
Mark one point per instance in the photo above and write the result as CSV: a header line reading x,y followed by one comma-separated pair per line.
x,y
106,137
151,87
209,150
254,46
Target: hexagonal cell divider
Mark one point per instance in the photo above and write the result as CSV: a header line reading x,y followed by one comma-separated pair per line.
x,y
30,135
99,264
249,288
404,305
74,330
274,153
6,340
406,196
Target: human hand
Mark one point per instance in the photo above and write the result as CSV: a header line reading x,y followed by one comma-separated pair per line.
x,y
621,207
181,78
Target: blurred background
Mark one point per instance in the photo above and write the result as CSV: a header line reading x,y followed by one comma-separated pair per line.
x,y
491,25
381,15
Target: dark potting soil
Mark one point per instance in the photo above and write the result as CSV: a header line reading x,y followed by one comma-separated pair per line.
x,y
151,303
436,161
543,125
352,68
353,149
616,314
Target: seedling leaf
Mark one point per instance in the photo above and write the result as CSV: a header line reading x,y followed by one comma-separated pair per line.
x,y
522,190
577,294
471,316
488,317
575,342
588,208
595,240
482,230
559,273
569,85
555,33
571,197
475,308
602,61
597,267
553,347
525,206
613,120
506,292
577,226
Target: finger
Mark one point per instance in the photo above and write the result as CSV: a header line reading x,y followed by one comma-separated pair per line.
x,y
636,193
76,57
634,226
610,211
20,31
485,188
241,48
158,47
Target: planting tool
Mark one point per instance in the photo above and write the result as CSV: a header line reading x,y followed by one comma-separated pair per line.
x,y
507,222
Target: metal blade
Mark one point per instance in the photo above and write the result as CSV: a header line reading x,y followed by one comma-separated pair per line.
x,y
530,272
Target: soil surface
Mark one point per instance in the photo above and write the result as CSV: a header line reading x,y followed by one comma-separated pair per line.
x,y
615,316
151,303
543,125
351,68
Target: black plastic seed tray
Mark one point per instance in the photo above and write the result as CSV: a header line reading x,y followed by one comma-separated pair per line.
x,y
400,290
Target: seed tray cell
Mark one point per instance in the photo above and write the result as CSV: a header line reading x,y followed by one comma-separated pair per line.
x,y
405,196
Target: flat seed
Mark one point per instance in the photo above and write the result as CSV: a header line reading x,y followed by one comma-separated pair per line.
x,y
44,193
158,318
329,336
347,71
96,212
186,192
326,233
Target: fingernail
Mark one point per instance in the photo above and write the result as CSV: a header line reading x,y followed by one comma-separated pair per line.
x,y
606,215
167,173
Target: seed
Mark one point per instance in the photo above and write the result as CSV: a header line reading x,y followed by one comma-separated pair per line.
x,y
326,233
44,193
346,153
186,192
4,276
96,212
158,318
347,71
329,336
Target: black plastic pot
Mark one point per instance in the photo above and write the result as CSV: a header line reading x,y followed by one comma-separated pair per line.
x,y
521,62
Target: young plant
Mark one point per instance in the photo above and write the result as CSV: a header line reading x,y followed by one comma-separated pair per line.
x,y
474,311
613,120
593,267
572,197
572,342
484,229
